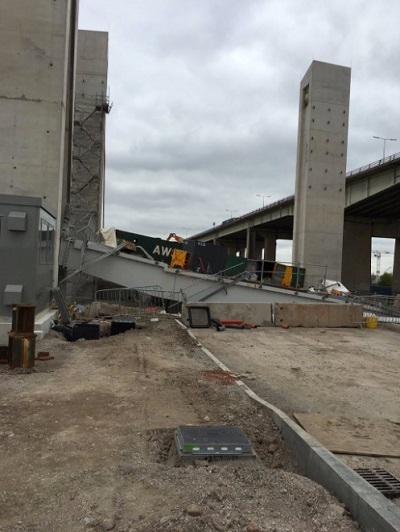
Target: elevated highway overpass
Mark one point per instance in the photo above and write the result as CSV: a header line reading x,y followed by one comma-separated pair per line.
x,y
372,209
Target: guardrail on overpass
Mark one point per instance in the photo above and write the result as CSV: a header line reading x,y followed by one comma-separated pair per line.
x,y
285,206
373,165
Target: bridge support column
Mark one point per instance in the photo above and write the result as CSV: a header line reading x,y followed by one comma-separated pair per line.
x,y
251,243
259,246
270,247
231,247
396,268
356,263
321,170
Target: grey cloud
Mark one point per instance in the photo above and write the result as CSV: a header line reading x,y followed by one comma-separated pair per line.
x,y
206,99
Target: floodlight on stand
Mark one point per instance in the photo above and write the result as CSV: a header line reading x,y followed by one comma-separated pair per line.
x,y
199,317
384,143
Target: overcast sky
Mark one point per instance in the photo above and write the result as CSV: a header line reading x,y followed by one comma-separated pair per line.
x,y
205,100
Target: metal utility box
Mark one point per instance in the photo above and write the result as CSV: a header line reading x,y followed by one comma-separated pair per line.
x,y
212,442
16,221
78,330
12,294
27,239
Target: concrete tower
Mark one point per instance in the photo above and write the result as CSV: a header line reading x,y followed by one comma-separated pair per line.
x,y
91,107
321,171
37,66
88,169
37,73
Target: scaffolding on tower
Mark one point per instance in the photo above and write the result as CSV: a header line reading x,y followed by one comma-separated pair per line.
x,y
87,184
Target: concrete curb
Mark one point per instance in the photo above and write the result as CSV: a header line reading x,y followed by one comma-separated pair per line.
x,y
42,325
373,511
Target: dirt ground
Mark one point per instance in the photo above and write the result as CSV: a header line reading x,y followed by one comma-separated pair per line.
x,y
86,438
343,373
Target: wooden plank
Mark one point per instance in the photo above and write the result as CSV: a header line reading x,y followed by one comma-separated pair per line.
x,y
358,436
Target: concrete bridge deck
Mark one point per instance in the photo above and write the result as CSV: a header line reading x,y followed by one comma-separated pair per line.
x,y
372,209
372,190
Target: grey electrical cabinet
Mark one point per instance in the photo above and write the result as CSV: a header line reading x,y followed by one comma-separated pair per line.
x,y
27,262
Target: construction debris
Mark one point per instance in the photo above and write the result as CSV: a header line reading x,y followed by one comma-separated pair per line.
x,y
43,356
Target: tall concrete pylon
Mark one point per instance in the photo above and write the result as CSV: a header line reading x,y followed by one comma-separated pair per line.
x,y
321,171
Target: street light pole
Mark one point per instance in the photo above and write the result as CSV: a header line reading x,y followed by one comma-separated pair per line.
x,y
229,210
384,143
262,196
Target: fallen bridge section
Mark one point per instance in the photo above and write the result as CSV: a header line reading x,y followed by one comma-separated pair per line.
x,y
134,271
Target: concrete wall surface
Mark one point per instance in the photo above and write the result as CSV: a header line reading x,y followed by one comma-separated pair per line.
x,y
91,106
257,313
321,315
91,66
88,169
34,54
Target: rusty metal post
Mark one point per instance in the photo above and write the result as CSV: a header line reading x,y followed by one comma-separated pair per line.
x,y
23,319
21,338
21,350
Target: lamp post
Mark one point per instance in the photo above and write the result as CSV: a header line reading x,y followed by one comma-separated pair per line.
x,y
384,143
262,196
229,210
